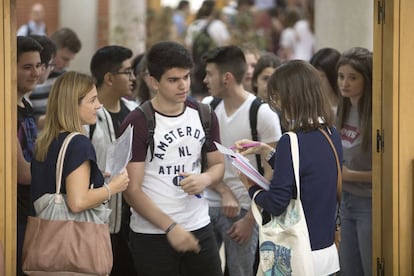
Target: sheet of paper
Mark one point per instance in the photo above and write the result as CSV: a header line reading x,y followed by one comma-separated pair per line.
x,y
243,165
119,153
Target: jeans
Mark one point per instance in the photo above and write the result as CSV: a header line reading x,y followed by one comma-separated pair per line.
x,y
240,258
154,256
355,253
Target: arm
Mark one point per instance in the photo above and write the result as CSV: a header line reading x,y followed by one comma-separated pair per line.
x,y
356,176
242,230
23,167
268,170
179,238
196,183
80,197
229,203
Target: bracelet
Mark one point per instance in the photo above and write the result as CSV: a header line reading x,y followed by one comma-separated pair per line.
x,y
171,227
109,192
270,155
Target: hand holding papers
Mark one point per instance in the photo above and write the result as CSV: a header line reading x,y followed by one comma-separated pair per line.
x,y
119,153
243,165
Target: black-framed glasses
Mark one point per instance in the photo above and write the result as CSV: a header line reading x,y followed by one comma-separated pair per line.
x,y
129,72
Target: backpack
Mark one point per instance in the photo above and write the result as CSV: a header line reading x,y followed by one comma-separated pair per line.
x,y
205,114
254,108
202,43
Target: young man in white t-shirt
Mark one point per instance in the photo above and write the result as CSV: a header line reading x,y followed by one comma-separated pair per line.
x,y
170,226
229,201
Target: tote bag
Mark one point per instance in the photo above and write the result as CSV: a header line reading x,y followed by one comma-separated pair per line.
x,y
284,241
59,242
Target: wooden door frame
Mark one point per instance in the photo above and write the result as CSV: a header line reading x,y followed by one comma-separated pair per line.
x,y
8,121
392,116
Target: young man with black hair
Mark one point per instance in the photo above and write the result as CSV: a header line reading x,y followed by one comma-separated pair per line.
x,y
38,97
229,201
68,45
111,67
28,72
171,232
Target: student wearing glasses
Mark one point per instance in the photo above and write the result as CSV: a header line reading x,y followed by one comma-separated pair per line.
x,y
111,67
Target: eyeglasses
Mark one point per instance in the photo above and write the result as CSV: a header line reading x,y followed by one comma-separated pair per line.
x,y
128,72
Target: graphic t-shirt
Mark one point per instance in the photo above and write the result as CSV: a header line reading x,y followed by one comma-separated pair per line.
x,y
177,148
355,158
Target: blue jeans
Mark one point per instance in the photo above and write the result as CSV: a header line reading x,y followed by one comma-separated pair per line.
x,y
239,257
355,253
154,256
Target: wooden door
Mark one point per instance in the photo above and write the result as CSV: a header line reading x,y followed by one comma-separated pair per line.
x,y
8,121
393,130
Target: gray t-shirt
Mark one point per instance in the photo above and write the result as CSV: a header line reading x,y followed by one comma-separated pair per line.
x,y
355,158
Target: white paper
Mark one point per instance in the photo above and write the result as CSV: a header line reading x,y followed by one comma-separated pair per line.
x,y
119,153
243,165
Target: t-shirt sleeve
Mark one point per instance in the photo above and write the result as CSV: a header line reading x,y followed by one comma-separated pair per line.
x,y
214,133
80,149
268,125
140,134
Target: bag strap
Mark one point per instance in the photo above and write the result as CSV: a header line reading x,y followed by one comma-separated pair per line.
x,y
149,114
338,166
204,111
294,148
254,109
61,158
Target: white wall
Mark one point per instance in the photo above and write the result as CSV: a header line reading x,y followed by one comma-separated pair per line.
x,y
344,24
80,16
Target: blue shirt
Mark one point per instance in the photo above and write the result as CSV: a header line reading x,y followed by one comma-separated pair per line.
x,y
318,181
80,149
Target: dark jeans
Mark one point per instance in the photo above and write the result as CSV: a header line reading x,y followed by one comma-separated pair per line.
x,y
123,262
154,256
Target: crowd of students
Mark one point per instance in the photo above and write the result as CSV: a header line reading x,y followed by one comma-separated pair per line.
x,y
163,226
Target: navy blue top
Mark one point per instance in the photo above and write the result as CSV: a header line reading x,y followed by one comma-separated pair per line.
x,y
318,181
79,150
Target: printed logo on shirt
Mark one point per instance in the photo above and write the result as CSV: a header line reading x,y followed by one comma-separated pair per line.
x,y
180,150
349,133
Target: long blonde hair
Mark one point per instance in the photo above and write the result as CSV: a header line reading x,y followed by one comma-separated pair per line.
x,y
62,109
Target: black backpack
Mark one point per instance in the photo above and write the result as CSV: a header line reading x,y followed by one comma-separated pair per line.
x,y
254,108
205,113
202,43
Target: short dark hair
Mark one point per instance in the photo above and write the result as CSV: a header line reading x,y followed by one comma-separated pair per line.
x,y
27,44
108,59
228,59
206,9
183,4
66,38
165,55
49,48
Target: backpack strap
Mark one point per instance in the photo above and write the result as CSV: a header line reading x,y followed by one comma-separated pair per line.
x,y
254,108
204,111
148,111
214,103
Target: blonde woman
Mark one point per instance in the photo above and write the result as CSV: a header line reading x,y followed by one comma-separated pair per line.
x,y
72,103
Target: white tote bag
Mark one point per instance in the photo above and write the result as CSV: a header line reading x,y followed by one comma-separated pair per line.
x,y
284,241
